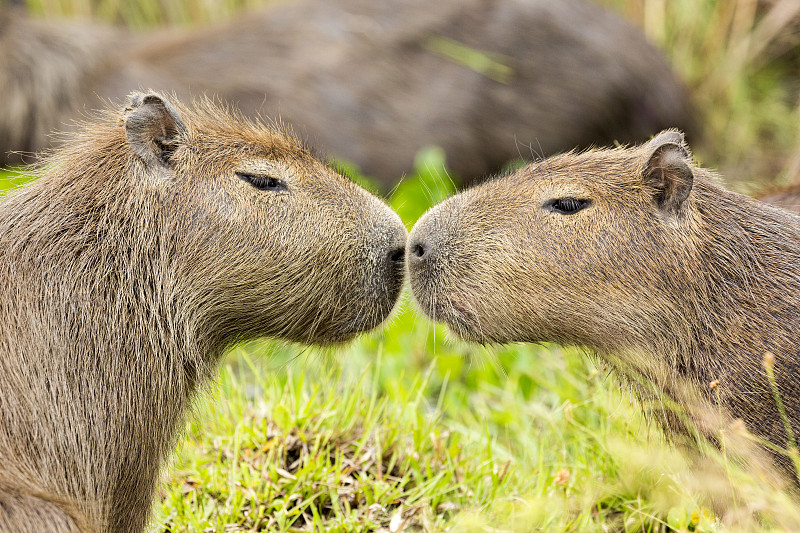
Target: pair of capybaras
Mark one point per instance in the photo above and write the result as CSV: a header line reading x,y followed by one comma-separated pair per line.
x,y
161,234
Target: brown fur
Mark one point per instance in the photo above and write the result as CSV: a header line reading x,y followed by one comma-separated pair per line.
x,y
787,198
368,81
666,274
131,264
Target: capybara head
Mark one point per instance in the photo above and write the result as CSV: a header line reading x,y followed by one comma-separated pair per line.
x,y
574,249
250,233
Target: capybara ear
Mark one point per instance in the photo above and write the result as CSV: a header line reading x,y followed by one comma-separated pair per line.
x,y
153,128
668,170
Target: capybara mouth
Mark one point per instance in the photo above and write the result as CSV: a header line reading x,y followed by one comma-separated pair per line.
x,y
464,323
456,313
344,328
348,330
374,311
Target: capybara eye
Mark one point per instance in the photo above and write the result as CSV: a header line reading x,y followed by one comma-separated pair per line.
x,y
263,183
567,206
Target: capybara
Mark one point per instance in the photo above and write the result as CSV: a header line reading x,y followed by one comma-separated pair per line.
x,y
150,242
370,82
787,198
787,195
639,256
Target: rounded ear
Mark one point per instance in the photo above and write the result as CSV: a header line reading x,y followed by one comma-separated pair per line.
x,y
668,170
154,128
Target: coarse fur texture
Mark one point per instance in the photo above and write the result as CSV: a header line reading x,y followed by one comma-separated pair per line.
x,y
149,243
639,256
369,82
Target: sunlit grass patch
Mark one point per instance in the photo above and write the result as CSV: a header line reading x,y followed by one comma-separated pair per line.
x,y
295,439
329,454
10,179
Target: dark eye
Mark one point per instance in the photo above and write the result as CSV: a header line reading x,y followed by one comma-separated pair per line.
x,y
566,206
263,183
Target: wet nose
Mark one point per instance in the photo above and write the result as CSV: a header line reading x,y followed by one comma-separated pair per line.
x,y
419,250
396,252
397,256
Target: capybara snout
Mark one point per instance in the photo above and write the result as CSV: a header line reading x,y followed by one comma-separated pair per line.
x,y
384,259
457,255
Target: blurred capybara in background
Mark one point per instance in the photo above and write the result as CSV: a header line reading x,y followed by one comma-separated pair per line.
x,y
44,70
151,241
640,256
787,198
372,82
788,195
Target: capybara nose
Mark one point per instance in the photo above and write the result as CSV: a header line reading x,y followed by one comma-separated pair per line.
x,y
397,256
396,247
419,250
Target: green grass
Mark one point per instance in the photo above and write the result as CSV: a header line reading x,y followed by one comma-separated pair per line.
x,y
740,60
11,178
405,430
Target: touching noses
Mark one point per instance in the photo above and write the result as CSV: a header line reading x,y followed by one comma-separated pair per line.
x,y
429,241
